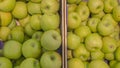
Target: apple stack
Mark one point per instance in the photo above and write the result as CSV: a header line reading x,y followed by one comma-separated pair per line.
x,y
93,34
29,30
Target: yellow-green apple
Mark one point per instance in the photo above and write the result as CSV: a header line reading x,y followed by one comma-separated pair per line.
x,y
12,49
5,63
5,18
69,54
51,40
109,5
50,6
75,63
51,59
81,52
34,8
74,20
20,10
35,22
98,15
93,42
23,22
117,54
112,63
7,5
97,55
36,1
12,24
109,45
73,1
93,23
73,40
84,23
109,56
31,49
30,63
98,64
116,13
4,33
83,11
37,35
71,7
18,28
50,21
95,6
117,65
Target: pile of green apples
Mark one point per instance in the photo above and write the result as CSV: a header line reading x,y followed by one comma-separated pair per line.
x,y
30,33
93,34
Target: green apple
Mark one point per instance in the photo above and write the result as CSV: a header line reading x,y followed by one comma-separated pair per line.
x,y
98,15
117,54
50,21
36,1
75,63
109,56
97,55
115,35
73,1
28,30
8,5
73,41
74,20
117,65
81,52
12,24
20,28
5,18
109,45
98,64
86,64
5,63
23,22
109,5
37,35
35,22
116,13
31,49
69,54
50,6
105,27
92,23
83,11
4,33
51,59
82,31
51,40
12,49
95,6
93,42
30,63
112,63
16,67
20,10
84,23
71,7
34,8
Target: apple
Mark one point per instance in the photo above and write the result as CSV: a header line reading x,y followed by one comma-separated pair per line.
x,y
109,5
5,63
19,28
75,63
36,1
20,10
34,8
84,23
4,33
12,49
37,35
117,65
81,52
86,64
50,59
105,27
109,45
30,63
109,56
73,1
73,41
97,55
50,6
69,54
5,18
23,22
35,22
8,5
51,40
31,49
12,24
83,11
74,20
71,7
93,23
116,13
98,64
98,15
93,42
113,63
50,21
115,35
95,6
117,54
